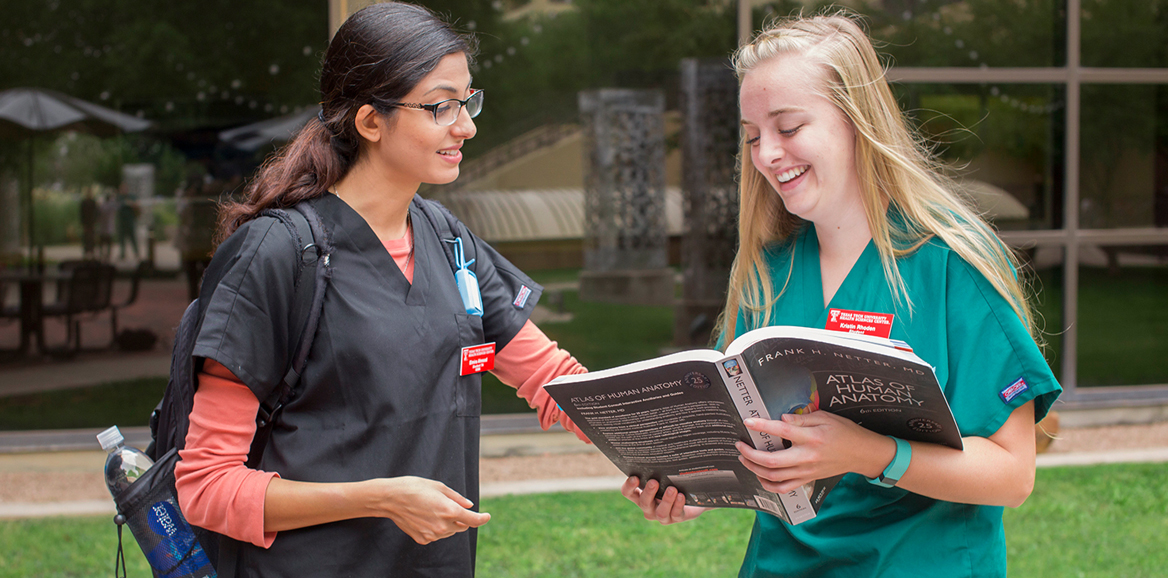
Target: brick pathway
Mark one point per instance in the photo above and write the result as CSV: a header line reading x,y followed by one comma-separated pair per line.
x,y
159,307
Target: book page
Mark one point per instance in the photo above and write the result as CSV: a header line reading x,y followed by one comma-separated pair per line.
x,y
706,355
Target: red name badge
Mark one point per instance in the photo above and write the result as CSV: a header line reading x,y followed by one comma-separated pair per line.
x,y
878,324
477,358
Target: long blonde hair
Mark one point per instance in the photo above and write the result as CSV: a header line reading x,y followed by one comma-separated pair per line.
x,y
895,168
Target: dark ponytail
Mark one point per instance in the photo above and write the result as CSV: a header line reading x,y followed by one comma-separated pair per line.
x,y
376,57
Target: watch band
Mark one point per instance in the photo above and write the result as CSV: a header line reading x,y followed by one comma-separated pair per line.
x,y
897,467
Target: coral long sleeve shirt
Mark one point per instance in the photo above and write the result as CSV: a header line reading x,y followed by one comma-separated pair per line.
x,y
218,492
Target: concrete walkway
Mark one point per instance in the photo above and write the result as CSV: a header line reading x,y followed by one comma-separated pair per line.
x,y
60,457
72,453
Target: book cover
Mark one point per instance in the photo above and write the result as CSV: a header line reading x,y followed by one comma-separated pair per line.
x,y
676,418
878,383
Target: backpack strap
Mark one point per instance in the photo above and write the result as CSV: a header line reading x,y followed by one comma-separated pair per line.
x,y
317,252
312,270
446,224
313,273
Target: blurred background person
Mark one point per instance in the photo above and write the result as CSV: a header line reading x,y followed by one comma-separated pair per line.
x,y
89,214
127,222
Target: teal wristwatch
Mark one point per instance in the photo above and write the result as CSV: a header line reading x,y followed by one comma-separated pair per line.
x,y
897,467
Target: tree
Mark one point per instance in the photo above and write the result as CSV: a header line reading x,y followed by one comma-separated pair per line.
x,y
180,64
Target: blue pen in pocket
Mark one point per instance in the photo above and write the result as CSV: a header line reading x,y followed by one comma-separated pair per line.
x,y
468,283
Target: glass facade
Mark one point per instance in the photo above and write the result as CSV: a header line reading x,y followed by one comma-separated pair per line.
x,y
1003,140
1123,317
1068,119
1053,112
1044,275
939,33
1124,33
1124,156
191,69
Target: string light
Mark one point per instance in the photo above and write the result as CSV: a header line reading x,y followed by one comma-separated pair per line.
x,y
203,89
994,90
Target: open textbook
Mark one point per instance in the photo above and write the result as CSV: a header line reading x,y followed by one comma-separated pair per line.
x,y
676,418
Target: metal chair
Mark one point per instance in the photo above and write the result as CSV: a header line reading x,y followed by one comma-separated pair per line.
x,y
9,314
7,311
85,289
140,271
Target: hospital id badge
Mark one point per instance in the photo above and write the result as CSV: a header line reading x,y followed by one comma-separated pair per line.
x,y
863,322
478,358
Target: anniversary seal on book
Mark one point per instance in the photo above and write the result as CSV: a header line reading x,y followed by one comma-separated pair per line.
x,y
667,419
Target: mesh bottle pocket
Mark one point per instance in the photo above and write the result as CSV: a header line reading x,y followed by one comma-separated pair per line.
x,y
172,546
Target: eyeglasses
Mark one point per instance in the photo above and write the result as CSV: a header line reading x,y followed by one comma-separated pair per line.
x,y
446,112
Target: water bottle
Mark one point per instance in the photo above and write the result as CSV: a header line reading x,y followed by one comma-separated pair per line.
x,y
161,530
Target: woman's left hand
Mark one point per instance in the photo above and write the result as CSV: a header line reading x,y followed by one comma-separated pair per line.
x,y
822,445
669,510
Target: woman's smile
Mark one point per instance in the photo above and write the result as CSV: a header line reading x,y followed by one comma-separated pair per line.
x,y
786,176
452,155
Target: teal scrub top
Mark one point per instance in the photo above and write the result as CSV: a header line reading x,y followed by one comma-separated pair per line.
x,y
987,365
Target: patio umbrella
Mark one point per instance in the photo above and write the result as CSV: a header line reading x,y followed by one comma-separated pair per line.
x,y
24,112
250,137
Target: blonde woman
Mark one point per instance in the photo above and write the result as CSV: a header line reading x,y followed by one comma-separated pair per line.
x,y
842,209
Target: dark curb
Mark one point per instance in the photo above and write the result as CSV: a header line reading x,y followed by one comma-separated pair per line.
x,y
139,437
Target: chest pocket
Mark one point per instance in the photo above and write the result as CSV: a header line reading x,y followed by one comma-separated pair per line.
x,y
469,392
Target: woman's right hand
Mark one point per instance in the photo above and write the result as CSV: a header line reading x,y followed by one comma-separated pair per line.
x,y
426,510
670,509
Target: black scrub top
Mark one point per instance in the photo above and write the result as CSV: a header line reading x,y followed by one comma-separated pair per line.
x,y
381,394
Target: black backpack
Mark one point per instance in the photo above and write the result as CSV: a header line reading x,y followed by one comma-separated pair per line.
x,y
170,419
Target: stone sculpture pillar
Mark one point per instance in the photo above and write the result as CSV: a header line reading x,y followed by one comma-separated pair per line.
x,y
710,142
625,237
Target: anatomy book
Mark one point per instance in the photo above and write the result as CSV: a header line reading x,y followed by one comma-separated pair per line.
x,y
676,418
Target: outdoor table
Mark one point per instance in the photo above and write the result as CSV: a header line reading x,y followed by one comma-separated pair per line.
x,y
32,285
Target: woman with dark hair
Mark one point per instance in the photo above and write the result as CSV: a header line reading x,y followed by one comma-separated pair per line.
x,y
372,467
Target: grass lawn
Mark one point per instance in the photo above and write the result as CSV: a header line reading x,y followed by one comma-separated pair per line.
x,y
600,336
1088,522
125,404
1099,521
603,335
601,534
